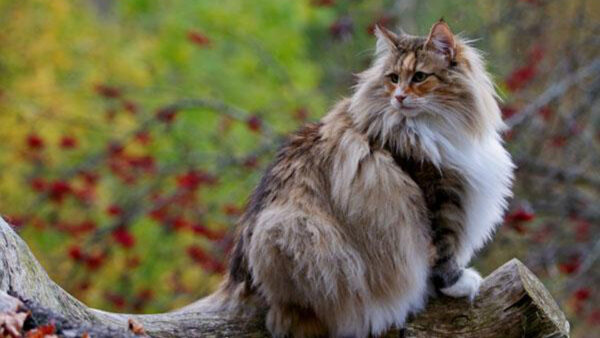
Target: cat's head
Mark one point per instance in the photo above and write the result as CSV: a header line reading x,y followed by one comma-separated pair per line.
x,y
438,80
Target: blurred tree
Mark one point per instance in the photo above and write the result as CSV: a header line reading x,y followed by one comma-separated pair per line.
x,y
128,176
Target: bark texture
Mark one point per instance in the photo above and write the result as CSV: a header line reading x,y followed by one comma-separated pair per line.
x,y
512,303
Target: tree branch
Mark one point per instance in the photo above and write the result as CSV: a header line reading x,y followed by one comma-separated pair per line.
x,y
512,303
554,91
560,174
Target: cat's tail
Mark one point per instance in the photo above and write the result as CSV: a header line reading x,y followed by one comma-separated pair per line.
x,y
229,297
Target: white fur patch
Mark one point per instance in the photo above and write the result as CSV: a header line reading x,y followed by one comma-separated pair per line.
x,y
488,171
466,286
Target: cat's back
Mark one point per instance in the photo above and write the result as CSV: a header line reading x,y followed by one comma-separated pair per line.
x,y
302,166
293,174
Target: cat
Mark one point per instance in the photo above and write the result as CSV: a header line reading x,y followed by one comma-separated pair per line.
x,y
364,214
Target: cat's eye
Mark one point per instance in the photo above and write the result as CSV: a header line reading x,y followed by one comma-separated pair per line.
x,y
419,77
393,77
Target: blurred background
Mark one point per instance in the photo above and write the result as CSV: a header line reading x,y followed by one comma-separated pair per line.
x,y
134,131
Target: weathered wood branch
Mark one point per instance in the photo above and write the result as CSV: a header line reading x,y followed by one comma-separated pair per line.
x,y
512,303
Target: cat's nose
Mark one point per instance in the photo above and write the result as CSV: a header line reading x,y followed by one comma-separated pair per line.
x,y
400,98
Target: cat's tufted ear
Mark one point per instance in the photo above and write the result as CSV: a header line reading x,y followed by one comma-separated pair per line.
x,y
441,40
387,40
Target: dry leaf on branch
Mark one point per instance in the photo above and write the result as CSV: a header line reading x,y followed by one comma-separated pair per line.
x,y
136,327
11,324
44,331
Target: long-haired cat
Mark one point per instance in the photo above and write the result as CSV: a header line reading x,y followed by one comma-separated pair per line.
x,y
363,214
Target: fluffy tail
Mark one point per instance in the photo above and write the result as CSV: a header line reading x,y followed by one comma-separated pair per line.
x,y
229,297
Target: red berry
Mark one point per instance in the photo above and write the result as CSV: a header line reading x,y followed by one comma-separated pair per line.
x,y
215,235
522,215
59,190
520,77
75,253
94,261
86,226
145,162
122,236
193,179
35,142
519,216
250,162
107,91
133,262
546,113
130,106
199,229
114,210
83,286
143,137
15,221
323,3
166,114
68,142
582,294
198,38
190,180
159,214
383,21
118,301
508,112
254,123
570,266
115,149
231,210
90,178
196,253
558,141
179,223
213,265
145,294
110,114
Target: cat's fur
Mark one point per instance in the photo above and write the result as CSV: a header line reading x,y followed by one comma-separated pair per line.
x,y
362,212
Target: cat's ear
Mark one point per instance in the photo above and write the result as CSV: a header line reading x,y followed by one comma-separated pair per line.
x,y
387,40
441,40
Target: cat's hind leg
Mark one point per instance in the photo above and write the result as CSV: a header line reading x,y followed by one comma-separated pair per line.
x,y
307,274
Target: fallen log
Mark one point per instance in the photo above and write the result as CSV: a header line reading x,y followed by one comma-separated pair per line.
x,y
512,303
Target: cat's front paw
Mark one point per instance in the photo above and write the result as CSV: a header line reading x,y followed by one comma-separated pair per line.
x,y
466,286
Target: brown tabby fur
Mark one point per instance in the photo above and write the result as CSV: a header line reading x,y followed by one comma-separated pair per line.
x,y
290,257
359,212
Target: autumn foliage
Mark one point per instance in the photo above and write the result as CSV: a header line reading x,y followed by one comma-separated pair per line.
x,y
134,132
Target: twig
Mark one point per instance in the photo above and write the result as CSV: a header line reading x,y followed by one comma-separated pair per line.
x,y
562,174
554,91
